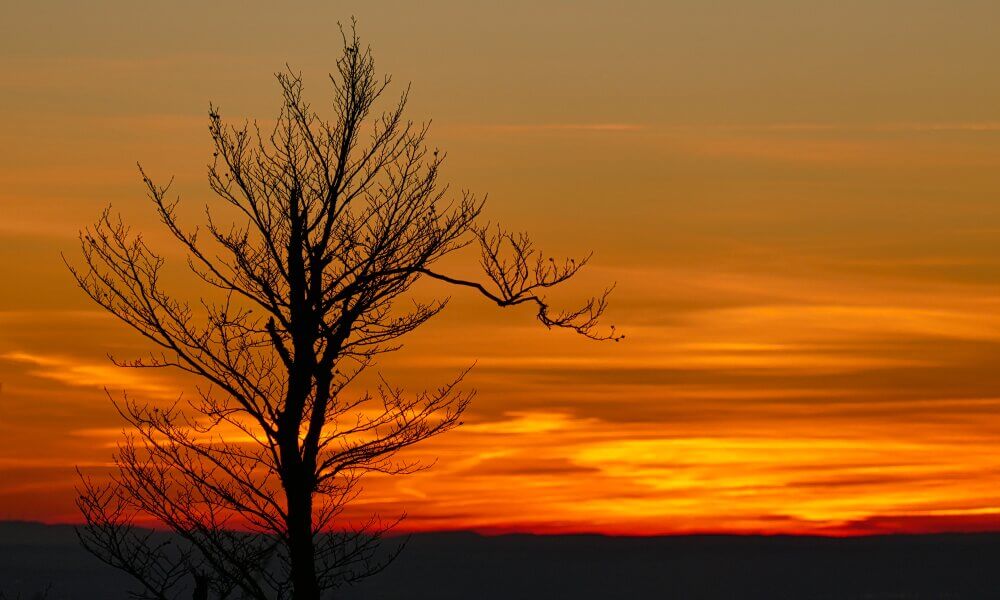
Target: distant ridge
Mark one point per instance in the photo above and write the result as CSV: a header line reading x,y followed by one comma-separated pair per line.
x,y
470,566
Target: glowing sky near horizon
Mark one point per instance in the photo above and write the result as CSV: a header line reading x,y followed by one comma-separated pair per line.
x,y
800,203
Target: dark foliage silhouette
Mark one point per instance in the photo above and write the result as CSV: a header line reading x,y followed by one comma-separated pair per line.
x,y
335,221
463,566
40,595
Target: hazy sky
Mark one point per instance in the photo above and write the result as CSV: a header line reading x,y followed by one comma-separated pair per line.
x,y
800,202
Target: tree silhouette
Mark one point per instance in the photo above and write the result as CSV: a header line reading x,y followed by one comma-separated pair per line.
x,y
335,222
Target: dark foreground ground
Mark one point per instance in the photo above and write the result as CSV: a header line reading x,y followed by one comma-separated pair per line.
x,y
444,566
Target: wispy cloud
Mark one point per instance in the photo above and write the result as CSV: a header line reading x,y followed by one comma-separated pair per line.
x,y
555,127
78,373
887,127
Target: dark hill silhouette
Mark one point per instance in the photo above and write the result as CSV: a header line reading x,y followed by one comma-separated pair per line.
x,y
467,566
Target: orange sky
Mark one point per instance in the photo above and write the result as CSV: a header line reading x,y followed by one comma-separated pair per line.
x,y
800,204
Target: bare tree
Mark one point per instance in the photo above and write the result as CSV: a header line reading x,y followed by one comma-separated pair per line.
x,y
335,222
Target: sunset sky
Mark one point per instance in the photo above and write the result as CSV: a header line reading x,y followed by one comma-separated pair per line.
x,y
799,202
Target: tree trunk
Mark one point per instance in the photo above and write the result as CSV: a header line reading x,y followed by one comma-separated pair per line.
x,y
300,546
200,587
